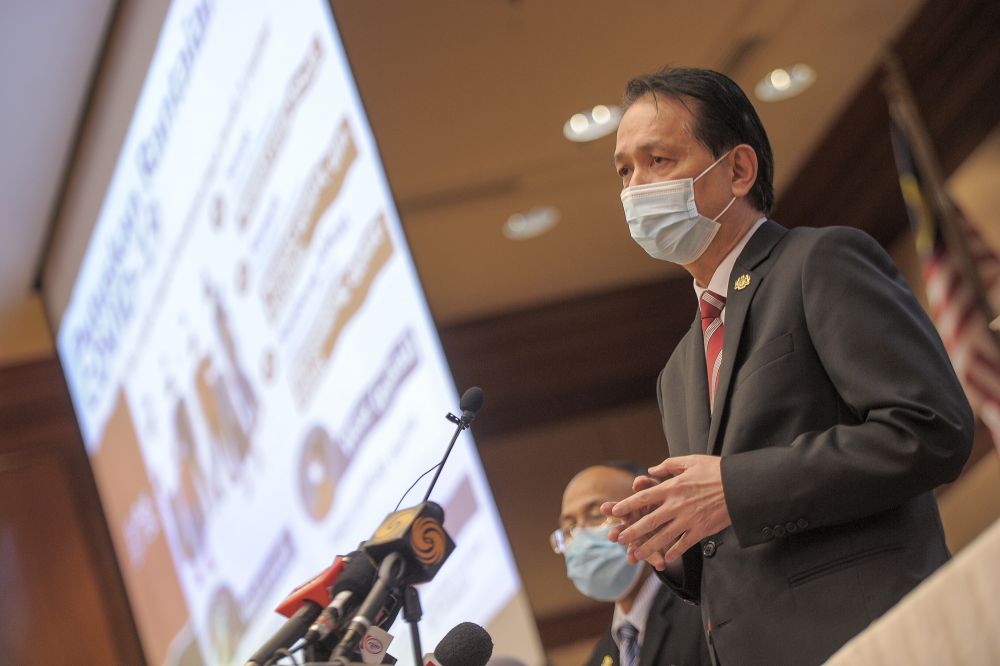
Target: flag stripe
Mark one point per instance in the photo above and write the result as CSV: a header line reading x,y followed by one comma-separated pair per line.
x,y
953,302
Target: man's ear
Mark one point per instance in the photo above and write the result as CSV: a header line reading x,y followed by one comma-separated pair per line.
x,y
744,170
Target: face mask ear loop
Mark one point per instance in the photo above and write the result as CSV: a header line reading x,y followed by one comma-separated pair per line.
x,y
731,202
712,165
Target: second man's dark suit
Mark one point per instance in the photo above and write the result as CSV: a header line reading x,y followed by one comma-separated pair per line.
x,y
673,636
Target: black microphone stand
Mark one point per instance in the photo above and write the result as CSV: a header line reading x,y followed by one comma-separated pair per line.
x,y
412,614
471,401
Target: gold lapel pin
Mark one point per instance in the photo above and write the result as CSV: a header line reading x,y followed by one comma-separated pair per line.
x,y
742,282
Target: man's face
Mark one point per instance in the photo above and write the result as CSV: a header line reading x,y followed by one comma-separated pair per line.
x,y
656,143
589,489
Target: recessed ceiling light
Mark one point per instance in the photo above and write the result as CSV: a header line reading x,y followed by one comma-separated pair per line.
x,y
521,226
783,83
593,123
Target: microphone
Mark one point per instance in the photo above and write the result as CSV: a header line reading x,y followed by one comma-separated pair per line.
x,y
410,546
316,589
355,581
390,572
301,607
417,535
289,632
467,644
471,402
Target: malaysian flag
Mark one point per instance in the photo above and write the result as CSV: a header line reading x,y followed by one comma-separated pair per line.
x,y
961,271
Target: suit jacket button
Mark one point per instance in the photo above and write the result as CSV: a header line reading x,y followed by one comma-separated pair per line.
x,y
779,530
802,523
767,533
791,527
708,550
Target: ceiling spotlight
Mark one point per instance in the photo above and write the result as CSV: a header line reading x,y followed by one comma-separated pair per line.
x,y
783,83
780,79
592,124
521,226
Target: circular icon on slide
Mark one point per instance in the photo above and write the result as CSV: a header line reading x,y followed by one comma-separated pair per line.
x,y
321,465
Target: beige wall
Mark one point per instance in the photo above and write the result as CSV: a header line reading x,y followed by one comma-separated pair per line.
x,y
24,333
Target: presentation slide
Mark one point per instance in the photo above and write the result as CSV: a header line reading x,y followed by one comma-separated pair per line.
x,y
253,364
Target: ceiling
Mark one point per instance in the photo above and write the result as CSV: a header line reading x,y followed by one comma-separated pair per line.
x,y
48,51
467,102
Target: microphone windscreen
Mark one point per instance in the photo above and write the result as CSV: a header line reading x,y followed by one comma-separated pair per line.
x,y
472,400
358,575
467,644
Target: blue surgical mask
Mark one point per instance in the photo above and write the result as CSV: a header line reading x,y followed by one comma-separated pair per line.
x,y
599,568
664,220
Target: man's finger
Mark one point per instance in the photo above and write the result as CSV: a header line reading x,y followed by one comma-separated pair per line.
x,y
643,482
645,526
661,540
614,532
656,561
649,497
680,546
671,466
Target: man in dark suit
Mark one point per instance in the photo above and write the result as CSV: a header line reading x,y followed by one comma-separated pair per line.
x,y
650,624
810,410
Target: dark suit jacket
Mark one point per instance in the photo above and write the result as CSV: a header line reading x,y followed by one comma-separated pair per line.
x,y
673,635
837,413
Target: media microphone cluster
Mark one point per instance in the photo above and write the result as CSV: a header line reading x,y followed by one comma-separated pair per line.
x,y
343,614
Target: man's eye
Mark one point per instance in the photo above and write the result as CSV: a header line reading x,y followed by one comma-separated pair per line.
x,y
658,160
623,172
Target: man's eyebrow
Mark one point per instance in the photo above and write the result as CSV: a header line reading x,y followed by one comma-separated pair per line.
x,y
648,147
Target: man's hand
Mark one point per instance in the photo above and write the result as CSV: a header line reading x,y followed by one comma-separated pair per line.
x,y
662,520
656,558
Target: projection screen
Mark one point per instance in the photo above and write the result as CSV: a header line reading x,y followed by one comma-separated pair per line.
x,y
248,350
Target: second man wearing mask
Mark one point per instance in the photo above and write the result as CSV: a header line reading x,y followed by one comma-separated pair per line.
x,y
650,625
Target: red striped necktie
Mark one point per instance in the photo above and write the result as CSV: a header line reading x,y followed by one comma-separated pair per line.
x,y
711,326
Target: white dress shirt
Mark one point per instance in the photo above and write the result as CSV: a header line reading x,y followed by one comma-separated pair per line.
x,y
720,278
639,612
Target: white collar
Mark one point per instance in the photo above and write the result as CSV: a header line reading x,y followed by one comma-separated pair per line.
x,y
720,278
640,610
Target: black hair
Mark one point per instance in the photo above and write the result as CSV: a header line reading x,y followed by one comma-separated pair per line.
x,y
724,117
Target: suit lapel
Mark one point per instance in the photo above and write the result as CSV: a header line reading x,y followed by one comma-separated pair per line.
x,y
657,626
696,395
740,295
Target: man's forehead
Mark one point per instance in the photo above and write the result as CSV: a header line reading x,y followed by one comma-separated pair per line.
x,y
667,123
595,484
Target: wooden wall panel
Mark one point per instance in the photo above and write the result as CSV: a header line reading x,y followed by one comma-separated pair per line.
x,y
61,596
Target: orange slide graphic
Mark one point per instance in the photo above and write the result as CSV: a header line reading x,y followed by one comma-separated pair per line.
x,y
322,185
302,79
137,531
342,300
